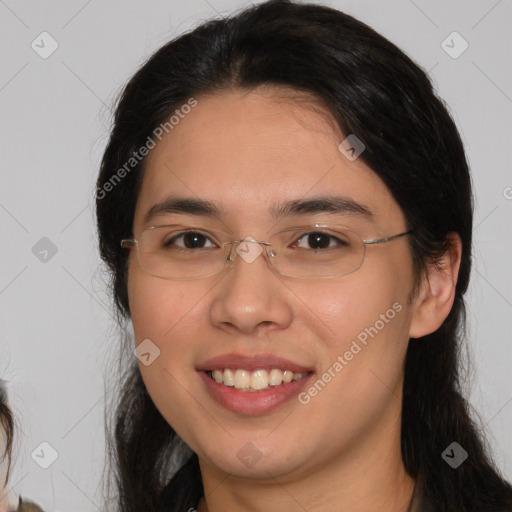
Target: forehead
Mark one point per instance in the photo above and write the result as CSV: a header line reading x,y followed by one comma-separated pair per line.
x,y
251,150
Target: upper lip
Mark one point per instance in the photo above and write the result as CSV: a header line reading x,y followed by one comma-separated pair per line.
x,y
251,363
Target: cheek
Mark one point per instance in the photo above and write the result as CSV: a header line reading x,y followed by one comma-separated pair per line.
x,y
158,306
341,309
362,322
169,314
363,346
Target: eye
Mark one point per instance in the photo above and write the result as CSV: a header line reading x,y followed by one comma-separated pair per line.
x,y
318,240
188,240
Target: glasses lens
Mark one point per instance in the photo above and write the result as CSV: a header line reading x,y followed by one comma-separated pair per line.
x,y
316,252
177,252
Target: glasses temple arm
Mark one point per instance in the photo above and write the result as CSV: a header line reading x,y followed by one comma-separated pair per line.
x,y
386,239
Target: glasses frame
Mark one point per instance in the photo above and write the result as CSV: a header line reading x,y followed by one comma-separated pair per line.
x,y
128,243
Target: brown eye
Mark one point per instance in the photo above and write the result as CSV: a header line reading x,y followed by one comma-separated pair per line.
x,y
318,240
188,240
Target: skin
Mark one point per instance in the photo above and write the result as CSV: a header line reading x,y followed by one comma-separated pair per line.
x,y
341,451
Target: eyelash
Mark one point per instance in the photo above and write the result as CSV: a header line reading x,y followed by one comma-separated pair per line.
x,y
171,241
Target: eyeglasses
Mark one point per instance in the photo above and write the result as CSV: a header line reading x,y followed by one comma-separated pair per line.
x,y
308,252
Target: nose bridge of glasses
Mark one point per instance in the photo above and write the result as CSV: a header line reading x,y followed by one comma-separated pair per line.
x,y
248,248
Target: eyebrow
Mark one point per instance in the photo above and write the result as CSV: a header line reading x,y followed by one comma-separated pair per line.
x,y
200,207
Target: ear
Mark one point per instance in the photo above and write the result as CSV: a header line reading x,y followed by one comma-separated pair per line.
x,y
435,298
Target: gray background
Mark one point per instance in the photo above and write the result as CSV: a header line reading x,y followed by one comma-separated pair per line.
x,y
57,332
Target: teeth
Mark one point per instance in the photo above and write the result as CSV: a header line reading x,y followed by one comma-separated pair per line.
x,y
229,377
275,377
258,380
287,376
242,379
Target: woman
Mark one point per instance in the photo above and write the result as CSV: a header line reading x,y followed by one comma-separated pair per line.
x,y
7,434
286,210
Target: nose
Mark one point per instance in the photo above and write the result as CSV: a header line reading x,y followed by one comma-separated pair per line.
x,y
251,298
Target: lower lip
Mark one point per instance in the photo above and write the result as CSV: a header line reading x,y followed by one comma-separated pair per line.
x,y
253,403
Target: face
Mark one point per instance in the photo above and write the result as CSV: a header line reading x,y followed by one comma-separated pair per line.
x,y
249,153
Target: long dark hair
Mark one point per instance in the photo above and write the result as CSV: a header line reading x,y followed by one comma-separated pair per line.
x,y
374,91
6,433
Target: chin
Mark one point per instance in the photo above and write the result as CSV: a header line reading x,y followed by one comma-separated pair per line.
x,y
256,459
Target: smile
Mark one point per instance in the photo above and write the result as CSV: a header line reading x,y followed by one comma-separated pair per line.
x,y
258,380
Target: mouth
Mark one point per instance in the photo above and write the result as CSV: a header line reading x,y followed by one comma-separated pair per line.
x,y
253,385
254,381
